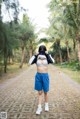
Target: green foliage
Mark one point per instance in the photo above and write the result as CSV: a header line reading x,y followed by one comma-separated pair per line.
x,y
26,29
64,23
13,9
14,34
45,40
59,51
74,65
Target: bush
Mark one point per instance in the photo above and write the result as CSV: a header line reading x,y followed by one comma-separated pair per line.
x,y
77,66
74,65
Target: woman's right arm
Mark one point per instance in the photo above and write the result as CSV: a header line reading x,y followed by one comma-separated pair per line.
x,y
33,59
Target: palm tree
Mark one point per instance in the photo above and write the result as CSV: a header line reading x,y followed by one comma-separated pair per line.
x,y
67,14
73,11
27,36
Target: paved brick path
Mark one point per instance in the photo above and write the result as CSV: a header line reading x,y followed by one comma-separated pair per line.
x,y
19,100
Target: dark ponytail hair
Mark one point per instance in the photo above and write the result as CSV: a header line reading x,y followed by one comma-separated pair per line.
x,y
42,48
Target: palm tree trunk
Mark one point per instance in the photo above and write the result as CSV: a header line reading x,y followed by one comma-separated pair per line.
x,y
68,54
5,65
74,53
30,52
78,46
60,56
79,36
23,56
5,60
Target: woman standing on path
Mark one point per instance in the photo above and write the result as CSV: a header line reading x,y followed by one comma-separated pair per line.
x,y
42,59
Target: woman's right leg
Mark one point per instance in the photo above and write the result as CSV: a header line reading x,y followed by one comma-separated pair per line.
x,y
39,97
38,87
39,109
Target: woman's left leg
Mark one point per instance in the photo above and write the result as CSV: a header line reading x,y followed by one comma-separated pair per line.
x,y
46,97
46,101
46,89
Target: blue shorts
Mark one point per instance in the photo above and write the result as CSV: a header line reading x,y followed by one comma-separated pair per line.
x,y
42,82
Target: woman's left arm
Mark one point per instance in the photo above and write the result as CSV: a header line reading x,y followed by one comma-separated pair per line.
x,y
52,58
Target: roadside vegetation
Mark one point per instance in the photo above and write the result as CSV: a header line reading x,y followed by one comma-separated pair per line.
x,y
72,69
65,35
12,71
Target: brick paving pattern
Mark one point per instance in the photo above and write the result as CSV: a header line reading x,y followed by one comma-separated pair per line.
x,y
19,99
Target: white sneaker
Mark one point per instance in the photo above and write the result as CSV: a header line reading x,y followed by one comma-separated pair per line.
x,y
39,110
46,108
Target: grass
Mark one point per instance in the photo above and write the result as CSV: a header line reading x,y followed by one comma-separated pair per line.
x,y
71,69
12,71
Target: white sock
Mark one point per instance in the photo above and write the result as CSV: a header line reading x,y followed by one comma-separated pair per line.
x,y
39,106
46,103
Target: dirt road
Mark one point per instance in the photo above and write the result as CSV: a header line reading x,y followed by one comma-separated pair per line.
x,y
19,99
